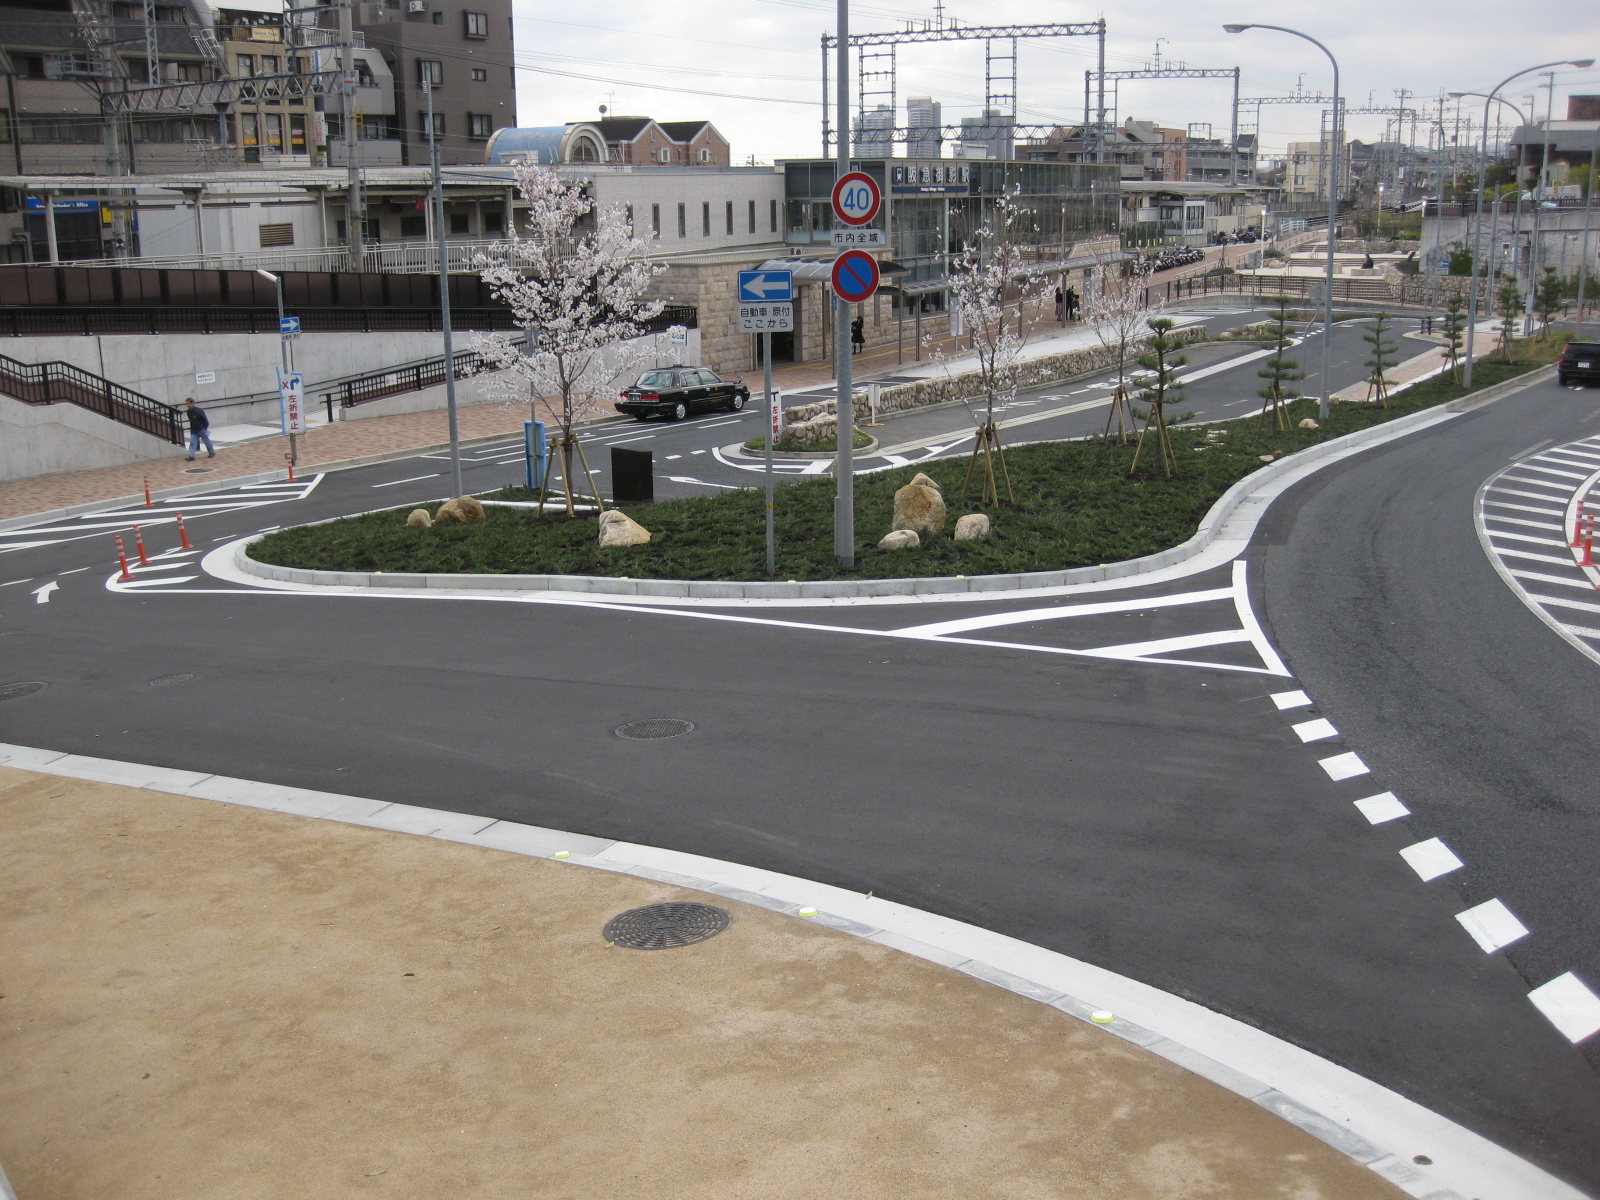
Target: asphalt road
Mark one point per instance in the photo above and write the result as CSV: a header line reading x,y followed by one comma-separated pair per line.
x,y
1115,785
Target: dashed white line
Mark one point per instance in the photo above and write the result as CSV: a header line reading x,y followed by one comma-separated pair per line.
x,y
413,479
1569,1005
1431,859
1344,766
14,582
1291,700
1492,926
1385,806
1315,731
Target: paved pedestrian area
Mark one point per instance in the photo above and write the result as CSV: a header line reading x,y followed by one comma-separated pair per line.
x,y
208,1000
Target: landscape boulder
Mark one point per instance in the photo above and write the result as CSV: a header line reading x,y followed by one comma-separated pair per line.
x,y
462,508
900,539
1308,423
919,506
619,529
972,527
419,519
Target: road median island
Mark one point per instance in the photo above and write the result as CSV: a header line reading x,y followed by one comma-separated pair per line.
x,y
1077,506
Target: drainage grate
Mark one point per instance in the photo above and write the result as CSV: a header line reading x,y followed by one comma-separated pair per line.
x,y
654,729
12,691
665,926
169,680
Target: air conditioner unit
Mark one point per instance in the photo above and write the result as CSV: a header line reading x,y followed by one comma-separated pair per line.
x,y
416,5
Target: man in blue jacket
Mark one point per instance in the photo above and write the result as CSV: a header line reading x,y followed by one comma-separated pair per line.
x,y
199,429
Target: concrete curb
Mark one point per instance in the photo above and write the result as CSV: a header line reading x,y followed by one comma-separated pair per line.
x,y
1210,526
1344,1110
1500,391
737,450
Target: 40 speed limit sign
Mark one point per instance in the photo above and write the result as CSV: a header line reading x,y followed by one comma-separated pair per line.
x,y
856,198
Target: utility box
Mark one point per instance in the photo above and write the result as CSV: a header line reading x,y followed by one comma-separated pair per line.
x,y
633,479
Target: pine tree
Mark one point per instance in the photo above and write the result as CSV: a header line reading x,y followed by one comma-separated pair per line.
x,y
1162,358
1279,371
1383,357
1454,330
1549,299
1510,313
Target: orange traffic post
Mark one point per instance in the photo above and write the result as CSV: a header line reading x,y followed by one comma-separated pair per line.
x,y
1588,553
122,560
183,534
138,544
148,503
289,458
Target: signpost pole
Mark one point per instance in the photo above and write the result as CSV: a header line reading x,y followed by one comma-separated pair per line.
x,y
844,510
772,434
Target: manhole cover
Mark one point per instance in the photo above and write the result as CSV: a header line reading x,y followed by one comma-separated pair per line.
x,y
665,926
198,470
169,680
11,691
654,729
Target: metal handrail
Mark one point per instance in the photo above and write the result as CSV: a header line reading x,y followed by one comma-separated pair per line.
x,y
51,382
401,258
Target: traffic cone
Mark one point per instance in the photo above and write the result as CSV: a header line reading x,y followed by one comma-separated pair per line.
x,y
183,534
138,544
122,561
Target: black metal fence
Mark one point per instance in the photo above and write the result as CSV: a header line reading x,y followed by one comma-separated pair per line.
x,y
37,322
52,382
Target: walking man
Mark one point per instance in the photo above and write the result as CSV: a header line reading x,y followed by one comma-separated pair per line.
x,y
199,429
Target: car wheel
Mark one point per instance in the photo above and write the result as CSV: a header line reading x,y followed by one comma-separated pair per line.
x,y
680,410
737,401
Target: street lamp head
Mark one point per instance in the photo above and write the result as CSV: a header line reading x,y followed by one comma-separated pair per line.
x,y
1236,28
267,275
1583,64
1459,95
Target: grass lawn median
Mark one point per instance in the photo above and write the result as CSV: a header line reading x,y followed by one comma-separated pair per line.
x,y
1076,505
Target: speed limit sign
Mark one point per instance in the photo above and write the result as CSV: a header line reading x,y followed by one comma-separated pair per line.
x,y
856,198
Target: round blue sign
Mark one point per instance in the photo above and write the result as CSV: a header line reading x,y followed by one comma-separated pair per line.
x,y
855,276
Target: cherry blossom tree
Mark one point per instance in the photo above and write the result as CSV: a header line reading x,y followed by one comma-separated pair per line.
x,y
576,285
1121,321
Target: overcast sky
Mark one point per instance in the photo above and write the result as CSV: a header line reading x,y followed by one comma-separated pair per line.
x,y
752,66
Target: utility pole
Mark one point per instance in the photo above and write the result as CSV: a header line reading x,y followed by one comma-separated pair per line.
x,y
355,208
844,505
1588,214
444,293
1536,246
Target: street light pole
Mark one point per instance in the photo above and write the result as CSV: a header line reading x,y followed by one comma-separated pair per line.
x,y
1477,224
283,353
1522,164
1334,149
844,505
444,295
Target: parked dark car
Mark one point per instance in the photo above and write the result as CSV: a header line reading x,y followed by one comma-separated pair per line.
x,y
1579,365
675,392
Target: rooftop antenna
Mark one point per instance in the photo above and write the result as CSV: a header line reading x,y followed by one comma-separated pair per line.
x,y
1157,65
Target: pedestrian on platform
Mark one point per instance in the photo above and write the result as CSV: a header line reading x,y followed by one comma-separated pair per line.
x,y
858,335
199,429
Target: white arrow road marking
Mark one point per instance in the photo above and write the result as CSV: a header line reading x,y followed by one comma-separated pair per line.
x,y
42,595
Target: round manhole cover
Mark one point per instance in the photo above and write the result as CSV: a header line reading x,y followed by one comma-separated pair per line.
x,y
198,470
169,680
12,691
665,926
654,729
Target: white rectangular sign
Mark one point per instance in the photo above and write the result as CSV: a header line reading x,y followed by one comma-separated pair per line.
x,y
859,239
766,318
204,377
291,401
777,417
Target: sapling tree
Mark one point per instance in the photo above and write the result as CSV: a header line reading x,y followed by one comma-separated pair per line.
x,y
1280,371
1383,357
1121,320
576,286
1510,300
1454,328
1162,359
1549,299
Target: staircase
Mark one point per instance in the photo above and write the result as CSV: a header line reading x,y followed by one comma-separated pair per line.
x,y
53,382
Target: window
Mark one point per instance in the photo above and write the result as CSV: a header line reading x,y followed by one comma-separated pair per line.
x,y
275,133
460,223
477,24
246,65
297,133
730,218
249,131
480,75
438,124
655,220
430,70
438,18
493,223
752,216
63,129
269,64
479,125
664,154
683,220
413,227
772,215
276,235
703,155
705,219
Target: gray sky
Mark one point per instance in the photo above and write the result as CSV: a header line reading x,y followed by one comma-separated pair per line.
x,y
760,59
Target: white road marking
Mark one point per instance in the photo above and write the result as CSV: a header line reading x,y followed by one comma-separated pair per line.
x,y
702,483
1344,766
150,583
716,424
1554,512
42,595
643,437
1431,859
1531,449
1569,1005
670,457
1505,491
1056,612
1315,731
413,479
1492,926
1385,806
817,467
1290,700
1528,466
1582,631
75,570
1523,521
1558,488
1508,552
1227,365
1564,602
1526,537
14,582
1577,583
1171,645
697,452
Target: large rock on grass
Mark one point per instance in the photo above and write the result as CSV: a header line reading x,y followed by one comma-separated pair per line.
x,y
419,519
462,508
972,527
900,539
619,529
919,506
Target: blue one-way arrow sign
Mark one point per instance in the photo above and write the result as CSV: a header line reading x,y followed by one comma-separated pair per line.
x,y
758,286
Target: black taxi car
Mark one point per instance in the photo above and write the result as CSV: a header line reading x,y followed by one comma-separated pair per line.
x,y
675,392
1579,365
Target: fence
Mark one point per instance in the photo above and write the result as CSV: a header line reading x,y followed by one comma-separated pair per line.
x,y
1257,287
48,383
40,322
401,258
